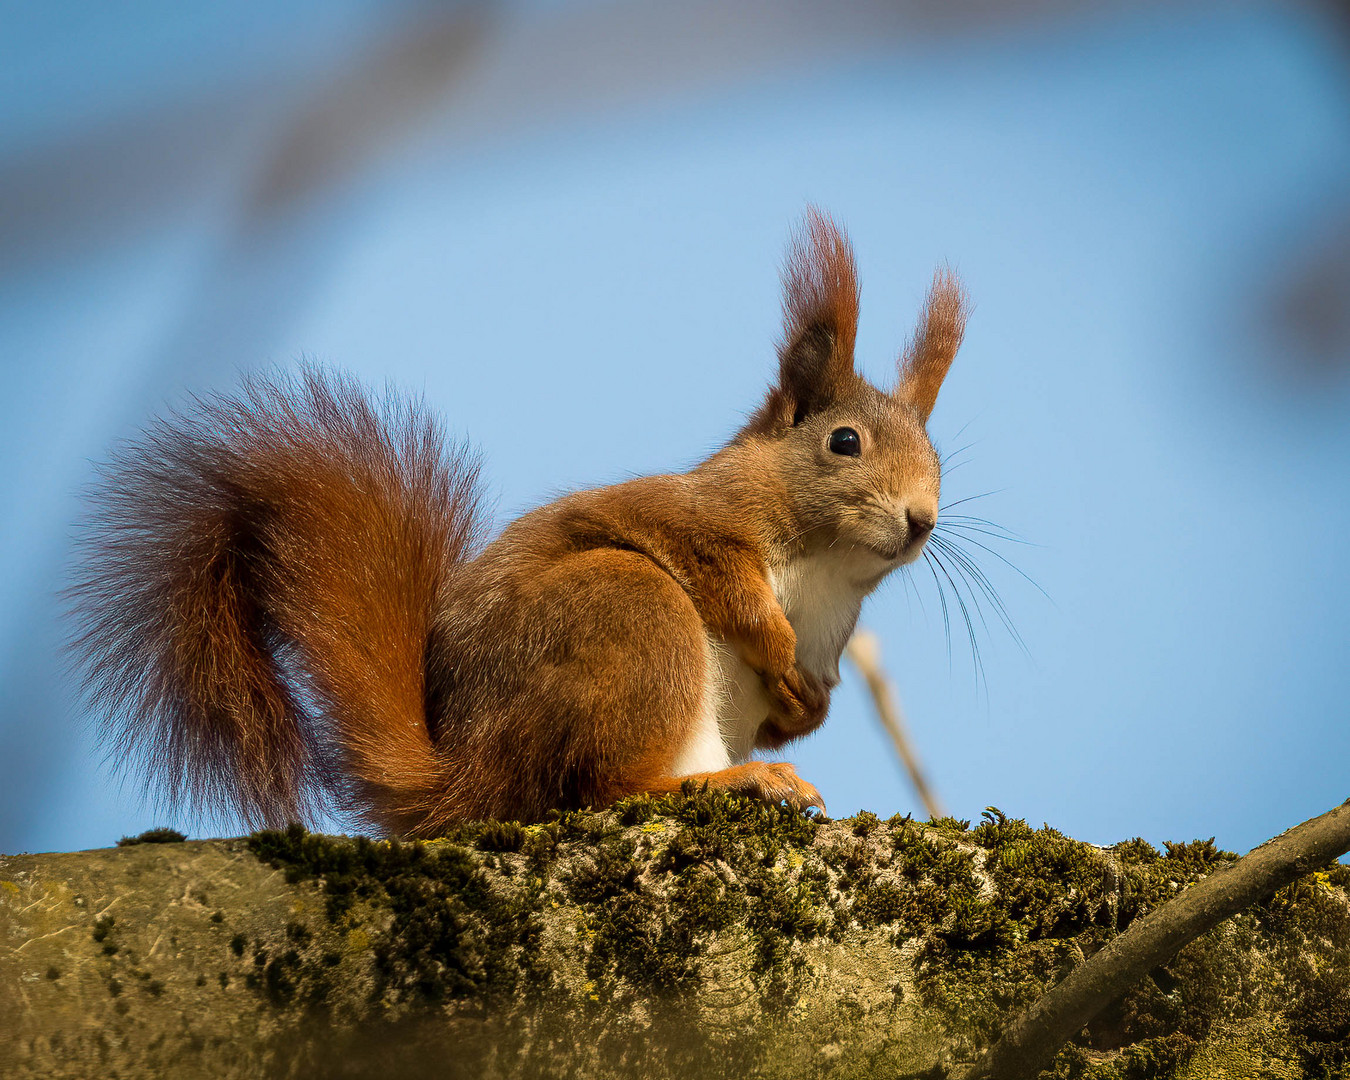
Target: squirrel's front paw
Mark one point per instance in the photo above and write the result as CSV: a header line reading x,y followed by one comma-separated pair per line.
x,y
766,645
799,701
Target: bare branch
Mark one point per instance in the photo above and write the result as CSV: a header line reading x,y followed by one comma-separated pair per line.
x,y
865,652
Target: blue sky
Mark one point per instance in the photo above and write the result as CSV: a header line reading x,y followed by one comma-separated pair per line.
x,y
595,297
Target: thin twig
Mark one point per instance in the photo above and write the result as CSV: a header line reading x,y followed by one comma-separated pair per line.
x,y
1031,1042
865,652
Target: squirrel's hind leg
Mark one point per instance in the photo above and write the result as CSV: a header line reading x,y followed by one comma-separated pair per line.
x,y
617,657
621,673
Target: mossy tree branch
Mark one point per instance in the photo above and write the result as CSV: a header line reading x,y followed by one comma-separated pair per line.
x,y
699,936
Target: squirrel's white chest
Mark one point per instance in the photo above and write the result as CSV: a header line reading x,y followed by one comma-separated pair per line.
x,y
821,596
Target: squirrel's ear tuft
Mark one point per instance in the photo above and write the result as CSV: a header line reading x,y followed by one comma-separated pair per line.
x,y
820,315
930,352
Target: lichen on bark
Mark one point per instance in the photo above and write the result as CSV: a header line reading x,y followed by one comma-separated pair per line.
x,y
700,935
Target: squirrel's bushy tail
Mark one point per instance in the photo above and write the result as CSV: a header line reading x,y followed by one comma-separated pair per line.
x,y
259,581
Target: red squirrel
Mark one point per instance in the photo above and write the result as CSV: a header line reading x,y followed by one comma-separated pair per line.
x,y
289,605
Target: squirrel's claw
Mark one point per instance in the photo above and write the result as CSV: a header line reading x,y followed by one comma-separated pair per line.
x,y
809,797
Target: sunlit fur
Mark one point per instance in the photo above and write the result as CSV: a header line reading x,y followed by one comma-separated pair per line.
x,y
287,604
930,352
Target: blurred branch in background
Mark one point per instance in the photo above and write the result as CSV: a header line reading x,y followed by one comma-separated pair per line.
x,y
1305,295
280,147
865,651
1309,305
331,118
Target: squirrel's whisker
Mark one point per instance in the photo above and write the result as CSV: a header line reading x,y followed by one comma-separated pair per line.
x,y
931,563
974,573
965,615
1001,557
968,521
969,498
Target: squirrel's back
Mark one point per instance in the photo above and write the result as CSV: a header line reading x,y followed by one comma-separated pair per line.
x,y
259,583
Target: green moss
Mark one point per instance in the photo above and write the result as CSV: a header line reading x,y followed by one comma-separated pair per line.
x,y
637,810
541,847
637,939
1136,851
1311,962
502,836
865,822
451,935
1147,1060
706,902
880,902
950,827
153,836
714,824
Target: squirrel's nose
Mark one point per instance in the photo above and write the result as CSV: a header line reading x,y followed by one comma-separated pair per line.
x,y
921,523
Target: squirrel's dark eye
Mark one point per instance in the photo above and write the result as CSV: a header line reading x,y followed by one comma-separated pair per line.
x,y
845,441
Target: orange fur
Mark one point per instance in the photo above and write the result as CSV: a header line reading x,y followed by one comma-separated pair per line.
x,y
258,588
820,323
930,352
288,605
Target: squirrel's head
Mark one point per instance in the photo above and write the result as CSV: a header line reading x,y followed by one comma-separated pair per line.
x,y
855,464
